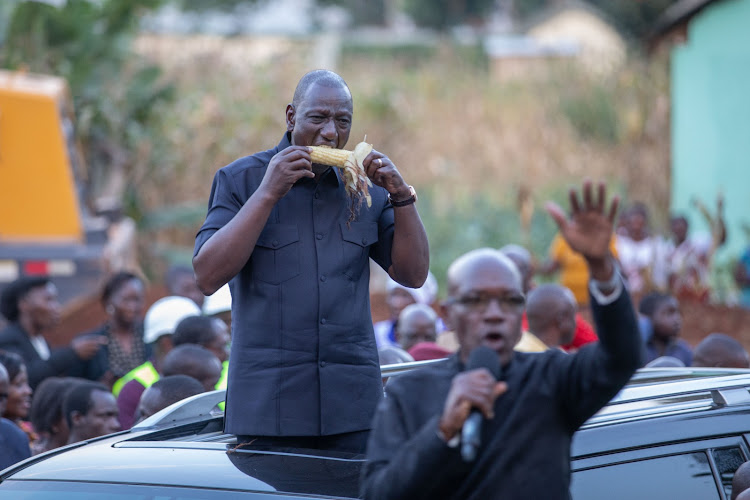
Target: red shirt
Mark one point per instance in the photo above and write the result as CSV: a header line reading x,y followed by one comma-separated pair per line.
x,y
583,335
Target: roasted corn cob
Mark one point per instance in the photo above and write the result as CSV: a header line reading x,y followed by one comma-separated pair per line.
x,y
356,179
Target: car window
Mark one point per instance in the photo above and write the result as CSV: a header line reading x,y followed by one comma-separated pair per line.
x,y
727,462
687,476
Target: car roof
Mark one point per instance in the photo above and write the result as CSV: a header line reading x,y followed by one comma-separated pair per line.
x,y
669,404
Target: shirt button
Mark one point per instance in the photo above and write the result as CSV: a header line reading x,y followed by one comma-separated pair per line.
x,y
364,241
319,236
317,195
275,243
323,321
322,364
323,278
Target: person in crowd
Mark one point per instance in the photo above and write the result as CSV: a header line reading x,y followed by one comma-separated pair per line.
x,y
740,480
46,414
641,254
521,258
416,323
194,361
571,267
742,277
719,350
551,313
160,323
19,393
689,260
123,298
180,282
584,332
14,443
219,305
397,298
541,399
30,304
417,332
210,333
663,313
296,247
90,411
165,392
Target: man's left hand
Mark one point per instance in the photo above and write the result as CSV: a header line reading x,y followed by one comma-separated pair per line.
x,y
382,172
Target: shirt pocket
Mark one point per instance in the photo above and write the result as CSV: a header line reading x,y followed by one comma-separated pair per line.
x,y
357,238
276,256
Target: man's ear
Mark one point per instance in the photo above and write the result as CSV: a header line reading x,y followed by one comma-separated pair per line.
x,y
445,314
291,115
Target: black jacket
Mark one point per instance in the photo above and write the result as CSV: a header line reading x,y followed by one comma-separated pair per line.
x,y
525,449
62,361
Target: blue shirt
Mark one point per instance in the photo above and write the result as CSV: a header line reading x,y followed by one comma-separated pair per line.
x,y
678,348
304,360
14,444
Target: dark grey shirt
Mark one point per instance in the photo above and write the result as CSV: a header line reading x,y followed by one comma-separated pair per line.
x,y
303,358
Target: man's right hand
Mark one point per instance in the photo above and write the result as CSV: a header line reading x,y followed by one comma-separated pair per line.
x,y
286,168
87,347
472,389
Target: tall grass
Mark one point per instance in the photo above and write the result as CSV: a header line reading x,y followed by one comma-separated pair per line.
x,y
468,143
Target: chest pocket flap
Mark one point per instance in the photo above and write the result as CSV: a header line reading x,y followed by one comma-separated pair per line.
x,y
277,236
362,234
275,258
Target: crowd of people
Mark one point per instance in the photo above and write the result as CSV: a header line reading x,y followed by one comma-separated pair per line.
x,y
105,380
294,245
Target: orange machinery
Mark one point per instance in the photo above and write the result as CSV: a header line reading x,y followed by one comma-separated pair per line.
x,y
45,226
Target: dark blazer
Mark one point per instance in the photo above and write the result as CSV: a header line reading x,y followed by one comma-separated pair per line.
x,y
61,361
525,450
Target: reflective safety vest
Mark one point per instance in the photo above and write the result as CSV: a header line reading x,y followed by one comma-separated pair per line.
x,y
145,374
222,383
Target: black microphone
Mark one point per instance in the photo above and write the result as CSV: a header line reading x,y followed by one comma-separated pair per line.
x,y
471,433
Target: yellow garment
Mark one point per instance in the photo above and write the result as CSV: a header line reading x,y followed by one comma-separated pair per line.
x,y
574,273
145,374
528,343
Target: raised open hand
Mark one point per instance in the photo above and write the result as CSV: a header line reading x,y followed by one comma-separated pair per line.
x,y
588,228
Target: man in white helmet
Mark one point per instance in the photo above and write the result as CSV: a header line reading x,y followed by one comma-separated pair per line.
x,y
158,326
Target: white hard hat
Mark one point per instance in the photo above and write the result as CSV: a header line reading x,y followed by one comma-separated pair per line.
x,y
219,302
163,317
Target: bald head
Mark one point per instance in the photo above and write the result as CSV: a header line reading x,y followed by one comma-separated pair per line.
x,y
522,259
473,264
194,361
416,323
721,351
550,311
322,77
741,481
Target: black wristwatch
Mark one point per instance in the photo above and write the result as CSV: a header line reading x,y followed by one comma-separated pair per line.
x,y
411,199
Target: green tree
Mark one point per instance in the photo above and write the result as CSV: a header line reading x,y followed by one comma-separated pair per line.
x,y
116,95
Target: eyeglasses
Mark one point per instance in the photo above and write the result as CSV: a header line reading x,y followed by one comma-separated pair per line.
x,y
481,301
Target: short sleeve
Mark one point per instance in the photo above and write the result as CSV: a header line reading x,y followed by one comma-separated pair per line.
x,y
381,251
223,205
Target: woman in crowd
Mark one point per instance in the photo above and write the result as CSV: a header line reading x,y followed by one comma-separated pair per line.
x,y
46,414
123,299
19,393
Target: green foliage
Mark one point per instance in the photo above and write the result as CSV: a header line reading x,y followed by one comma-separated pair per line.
x,y
593,114
445,14
116,96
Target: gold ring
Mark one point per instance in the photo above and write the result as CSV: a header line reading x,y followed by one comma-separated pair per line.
x,y
380,162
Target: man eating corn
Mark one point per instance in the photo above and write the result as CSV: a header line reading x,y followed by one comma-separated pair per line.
x,y
294,245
